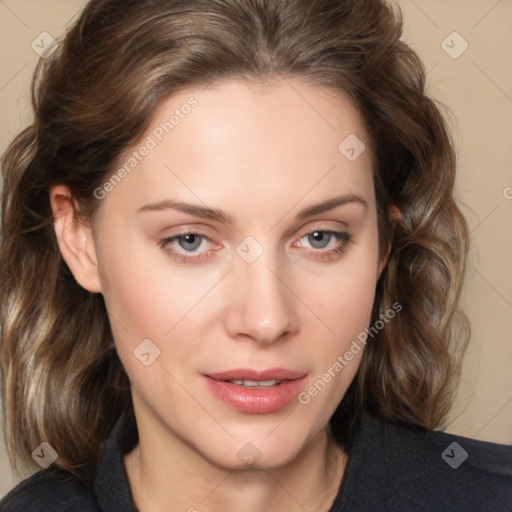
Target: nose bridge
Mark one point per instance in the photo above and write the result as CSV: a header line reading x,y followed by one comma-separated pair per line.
x,y
263,307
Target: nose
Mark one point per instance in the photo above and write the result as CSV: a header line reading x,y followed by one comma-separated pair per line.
x,y
262,307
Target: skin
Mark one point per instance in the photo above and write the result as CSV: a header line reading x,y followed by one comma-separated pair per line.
x,y
262,154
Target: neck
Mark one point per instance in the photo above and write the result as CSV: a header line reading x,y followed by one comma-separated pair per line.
x,y
171,472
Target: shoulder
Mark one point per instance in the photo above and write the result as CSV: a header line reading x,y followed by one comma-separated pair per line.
x,y
399,467
49,491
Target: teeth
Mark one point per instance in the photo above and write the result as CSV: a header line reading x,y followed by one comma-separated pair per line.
x,y
253,383
269,382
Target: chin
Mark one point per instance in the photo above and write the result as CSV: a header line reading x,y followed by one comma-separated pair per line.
x,y
259,454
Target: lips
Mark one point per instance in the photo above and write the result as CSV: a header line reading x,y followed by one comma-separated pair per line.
x,y
279,374
254,391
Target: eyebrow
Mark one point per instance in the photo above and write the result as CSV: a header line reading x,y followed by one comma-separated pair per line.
x,y
331,204
225,218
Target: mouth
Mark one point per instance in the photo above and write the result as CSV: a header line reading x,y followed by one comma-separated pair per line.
x,y
256,392
263,384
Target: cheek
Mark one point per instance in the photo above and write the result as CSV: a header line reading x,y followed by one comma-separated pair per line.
x,y
344,297
147,298
141,290
343,302
345,306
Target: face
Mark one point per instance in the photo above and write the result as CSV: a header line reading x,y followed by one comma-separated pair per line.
x,y
238,259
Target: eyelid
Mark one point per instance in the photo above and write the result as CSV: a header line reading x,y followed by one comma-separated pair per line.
x,y
344,239
321,226
183,255
342,236
329,231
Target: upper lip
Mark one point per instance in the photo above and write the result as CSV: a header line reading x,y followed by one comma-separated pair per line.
x,y
257,375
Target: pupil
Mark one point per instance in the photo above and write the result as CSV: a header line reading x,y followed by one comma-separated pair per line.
x,y
319,239
190,242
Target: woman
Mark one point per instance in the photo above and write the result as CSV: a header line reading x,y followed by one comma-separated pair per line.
x,y
231,264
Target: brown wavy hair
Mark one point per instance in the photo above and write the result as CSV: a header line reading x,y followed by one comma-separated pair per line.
x,y
94,97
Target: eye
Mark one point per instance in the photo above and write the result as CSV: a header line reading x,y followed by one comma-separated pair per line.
x,y
185,246
190,241
327,245
320,239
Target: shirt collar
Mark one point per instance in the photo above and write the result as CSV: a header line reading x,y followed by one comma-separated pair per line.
x,y
111,484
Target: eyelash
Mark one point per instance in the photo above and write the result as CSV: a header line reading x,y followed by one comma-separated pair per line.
x,y
343,238
320,255
166,242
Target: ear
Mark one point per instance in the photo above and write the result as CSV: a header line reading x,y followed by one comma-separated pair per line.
x,y
394,215
75,239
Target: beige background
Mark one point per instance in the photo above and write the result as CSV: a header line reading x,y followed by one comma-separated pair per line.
x,y
477,88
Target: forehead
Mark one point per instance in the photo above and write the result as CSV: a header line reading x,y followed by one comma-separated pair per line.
x,y
241,143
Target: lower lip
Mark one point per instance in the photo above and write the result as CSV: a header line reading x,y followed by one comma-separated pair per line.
x,y
255,400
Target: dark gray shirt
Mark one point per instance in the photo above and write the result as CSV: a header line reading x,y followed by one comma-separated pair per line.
x,y
390,469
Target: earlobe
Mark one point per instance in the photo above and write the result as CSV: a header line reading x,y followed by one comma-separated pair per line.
x,y
394,215
75,239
